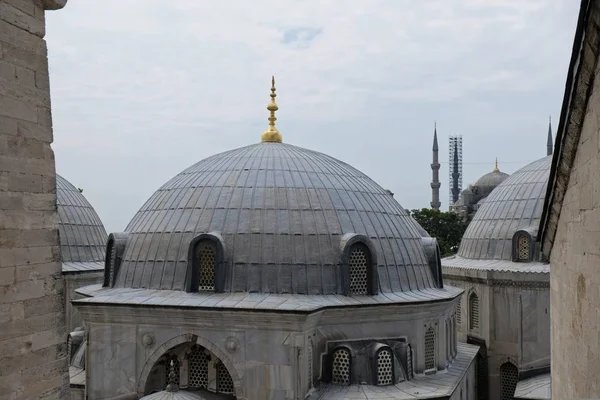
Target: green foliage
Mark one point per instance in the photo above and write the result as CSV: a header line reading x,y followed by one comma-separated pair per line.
x,y
447,227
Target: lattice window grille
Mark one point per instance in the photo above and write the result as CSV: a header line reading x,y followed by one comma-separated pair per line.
x,y
359,264
429,348
197,369
176,367
310,364
409,361
459,311
224,381
207,260
509,375
340,374
385,370
474,311
69,349
523,248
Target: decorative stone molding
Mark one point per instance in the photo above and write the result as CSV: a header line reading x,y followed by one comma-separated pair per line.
x,y
501,282
231,344
148,340
54,4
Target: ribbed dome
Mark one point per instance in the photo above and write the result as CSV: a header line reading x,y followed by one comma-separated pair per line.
x,y
82,235
515,204
489,182
281,211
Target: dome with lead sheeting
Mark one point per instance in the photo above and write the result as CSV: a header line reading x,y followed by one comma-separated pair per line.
x,y
283,215
515,204
82,235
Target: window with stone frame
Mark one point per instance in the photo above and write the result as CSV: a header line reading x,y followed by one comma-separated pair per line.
x,y
473,311
359,264
309,362
206,262
385,367
109,264
409,362
341,365
429,348
523,250
509,376
224,381
198,368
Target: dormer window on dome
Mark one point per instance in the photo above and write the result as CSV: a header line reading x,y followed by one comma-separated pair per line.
x,y
206,263
359,274
115,247
522,247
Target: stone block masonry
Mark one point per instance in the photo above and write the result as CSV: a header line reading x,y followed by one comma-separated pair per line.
x,y
33,361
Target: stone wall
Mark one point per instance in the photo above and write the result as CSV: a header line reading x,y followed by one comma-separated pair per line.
x,y
32,317
575,261
74,281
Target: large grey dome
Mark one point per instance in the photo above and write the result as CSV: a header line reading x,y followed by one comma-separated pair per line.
x,y
82,235
489,182
515,204
281,211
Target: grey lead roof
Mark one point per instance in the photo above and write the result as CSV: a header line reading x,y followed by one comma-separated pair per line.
x,y
515,204
282,211
82,235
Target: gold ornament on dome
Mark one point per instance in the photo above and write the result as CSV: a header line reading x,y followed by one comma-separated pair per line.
x,y
271,134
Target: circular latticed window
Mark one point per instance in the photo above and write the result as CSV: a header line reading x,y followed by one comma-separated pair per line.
x,y
385,374
509,375
523,248
359,264
340,369
176,367
198,369
206,254
224,381
429,348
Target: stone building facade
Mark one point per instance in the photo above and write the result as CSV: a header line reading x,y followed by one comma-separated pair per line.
x,y
33,361
570,228
505,303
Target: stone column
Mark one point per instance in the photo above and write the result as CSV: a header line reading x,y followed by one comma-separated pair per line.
x,y
33,361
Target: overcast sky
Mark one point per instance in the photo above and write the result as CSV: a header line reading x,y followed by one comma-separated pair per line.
x,y
142,89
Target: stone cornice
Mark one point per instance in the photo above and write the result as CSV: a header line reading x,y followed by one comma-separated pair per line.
x,y
54,4
525,284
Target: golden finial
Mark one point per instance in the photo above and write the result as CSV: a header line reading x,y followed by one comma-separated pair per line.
x,y
271,134
496,166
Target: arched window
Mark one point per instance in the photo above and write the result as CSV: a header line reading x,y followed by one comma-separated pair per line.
x,y
459,310
309,361
523,250
429,348
360,267
385,367
509,375
205,258
224,381
109,263
198,369
409,362
177,368
473,311
340,367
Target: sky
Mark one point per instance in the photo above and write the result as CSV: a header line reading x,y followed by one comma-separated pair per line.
x,y
142,89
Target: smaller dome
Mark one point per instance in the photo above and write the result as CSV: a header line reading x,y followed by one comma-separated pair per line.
x,y
82,235
489,181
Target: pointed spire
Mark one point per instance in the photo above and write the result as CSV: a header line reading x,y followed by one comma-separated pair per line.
x,y
271,134
550,142
496,166
172,386
435,141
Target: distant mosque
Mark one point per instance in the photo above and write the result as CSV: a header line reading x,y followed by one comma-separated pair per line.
x,y
467,202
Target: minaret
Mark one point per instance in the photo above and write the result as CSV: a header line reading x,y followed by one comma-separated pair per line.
x,y
435,168
550,143
455,174
271,134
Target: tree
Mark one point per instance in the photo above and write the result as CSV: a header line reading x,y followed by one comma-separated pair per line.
x,y
447,227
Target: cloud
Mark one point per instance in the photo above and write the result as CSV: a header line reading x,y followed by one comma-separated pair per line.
x,y
143,85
